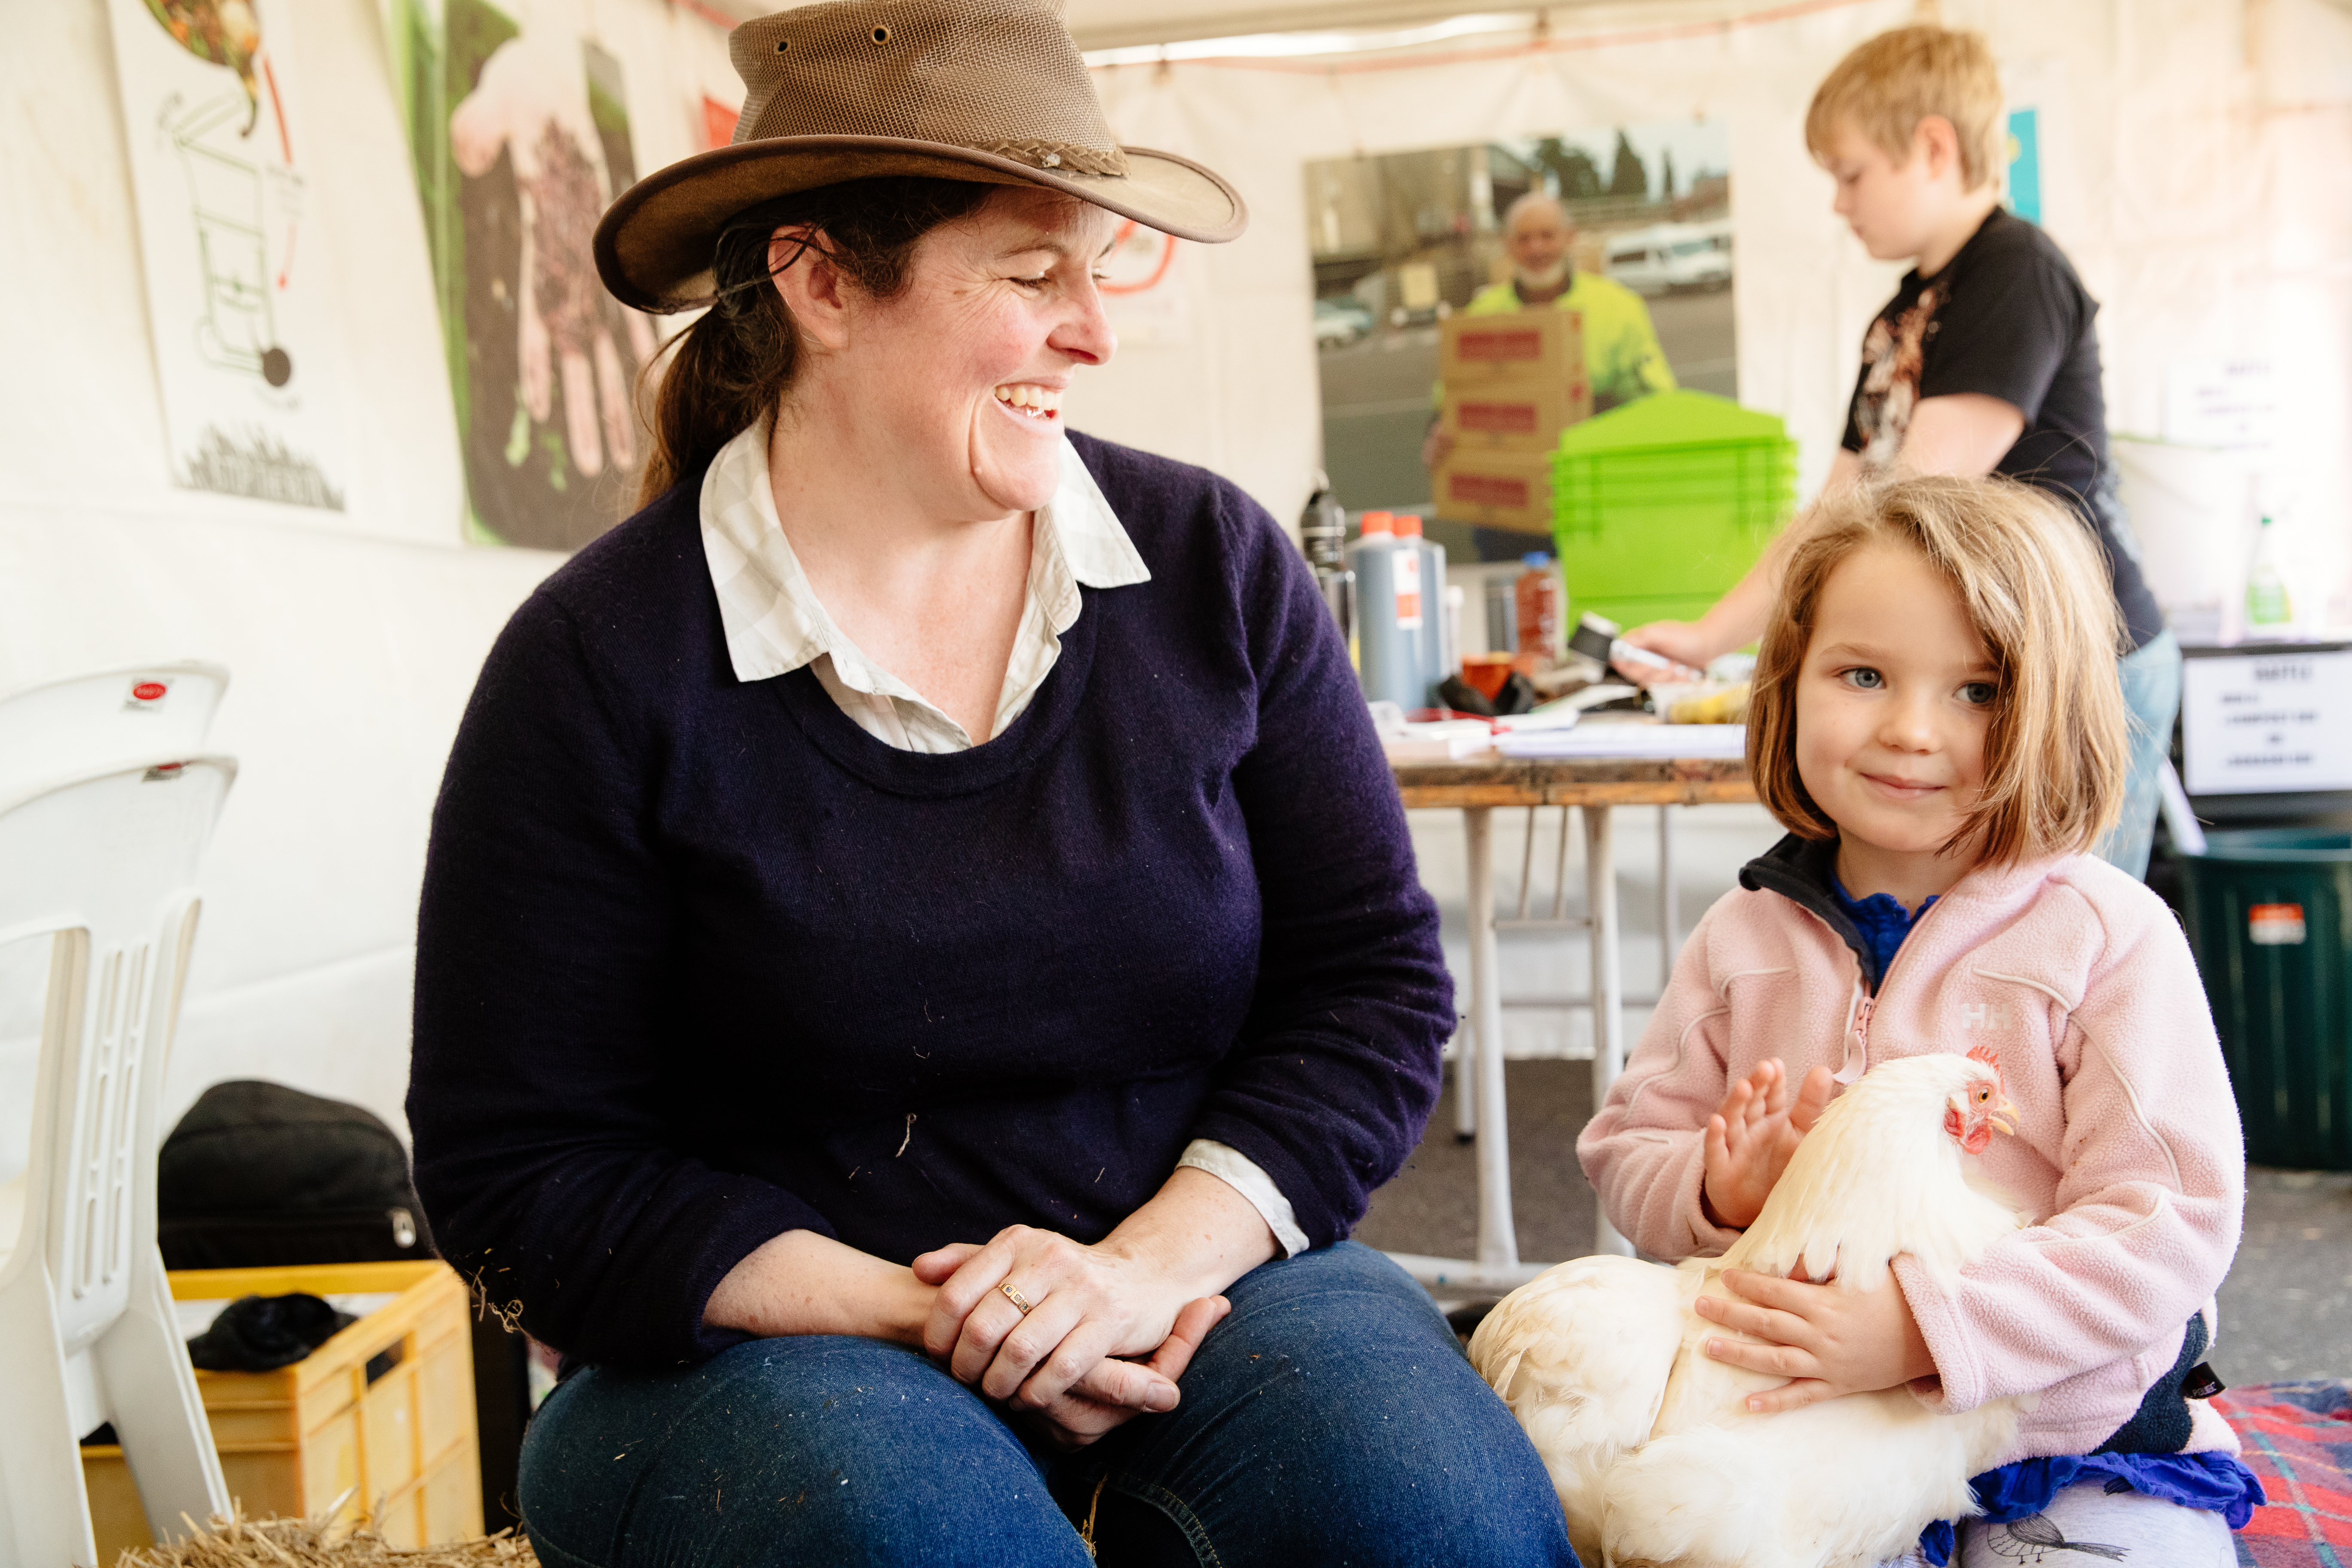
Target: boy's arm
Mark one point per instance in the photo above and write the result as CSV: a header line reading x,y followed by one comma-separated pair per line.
x,y
1738,619
1964,434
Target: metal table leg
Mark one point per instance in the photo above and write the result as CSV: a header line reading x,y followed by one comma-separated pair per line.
x,y
1466,1076
1477,830
1498,1244
1608,988
1669,905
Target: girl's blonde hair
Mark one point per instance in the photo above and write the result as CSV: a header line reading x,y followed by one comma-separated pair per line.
x,y
2032,581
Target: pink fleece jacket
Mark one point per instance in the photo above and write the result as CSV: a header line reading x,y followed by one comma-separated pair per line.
x,y
2128,1154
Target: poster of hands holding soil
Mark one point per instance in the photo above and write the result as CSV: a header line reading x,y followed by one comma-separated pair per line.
x,y
519,133
234,296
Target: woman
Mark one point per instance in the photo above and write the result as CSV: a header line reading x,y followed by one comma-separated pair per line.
x,y
920,963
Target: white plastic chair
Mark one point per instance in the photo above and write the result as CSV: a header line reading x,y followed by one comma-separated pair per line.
x,y
62,729
103,864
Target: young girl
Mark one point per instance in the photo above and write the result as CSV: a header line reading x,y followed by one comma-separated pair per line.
x,y
1936,722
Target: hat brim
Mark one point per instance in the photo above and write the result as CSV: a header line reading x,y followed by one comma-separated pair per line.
x,y
655,243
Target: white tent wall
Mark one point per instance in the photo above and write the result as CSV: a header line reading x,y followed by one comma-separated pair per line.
x,y
353,638
2195,170
2194,167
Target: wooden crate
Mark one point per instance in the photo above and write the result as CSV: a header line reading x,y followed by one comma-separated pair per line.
x,y
383,1411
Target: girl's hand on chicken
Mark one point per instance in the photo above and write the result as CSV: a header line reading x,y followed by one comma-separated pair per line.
x,y
1826,1342
1751,1136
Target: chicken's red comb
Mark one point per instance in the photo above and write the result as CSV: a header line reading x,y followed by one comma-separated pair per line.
x,y
1986,1054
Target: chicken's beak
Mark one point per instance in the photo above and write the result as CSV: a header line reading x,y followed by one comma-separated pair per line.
x,y
2006,1118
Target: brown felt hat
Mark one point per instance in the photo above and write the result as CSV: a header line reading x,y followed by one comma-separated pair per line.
x,y
993,91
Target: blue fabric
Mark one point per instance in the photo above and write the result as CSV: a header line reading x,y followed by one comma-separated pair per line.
x,y
700,961
1881,918
2215,1483
2151,682
1330,1419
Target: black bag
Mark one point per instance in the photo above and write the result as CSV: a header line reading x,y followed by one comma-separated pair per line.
x,y
258,1173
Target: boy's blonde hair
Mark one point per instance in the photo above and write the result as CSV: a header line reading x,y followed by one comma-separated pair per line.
x,y
2032,581
1887,85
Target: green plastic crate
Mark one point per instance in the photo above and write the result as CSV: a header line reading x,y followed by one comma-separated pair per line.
x,y
1661,506
2266,918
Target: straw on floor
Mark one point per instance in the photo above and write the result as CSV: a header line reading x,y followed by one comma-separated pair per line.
x,y
241,1543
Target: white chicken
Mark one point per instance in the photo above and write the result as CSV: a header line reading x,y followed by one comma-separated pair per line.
x,y
1648,1440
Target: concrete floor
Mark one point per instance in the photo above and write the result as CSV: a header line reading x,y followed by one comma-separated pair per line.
x,y
2286,1306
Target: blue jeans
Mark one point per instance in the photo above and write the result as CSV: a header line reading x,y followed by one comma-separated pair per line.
x,y
1330,1418
2151,680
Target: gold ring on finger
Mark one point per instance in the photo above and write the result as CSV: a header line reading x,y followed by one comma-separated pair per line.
x,y
1026,1304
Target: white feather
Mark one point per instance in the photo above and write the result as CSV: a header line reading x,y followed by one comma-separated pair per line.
x,y
1877,1177
1648,1440
1581,1355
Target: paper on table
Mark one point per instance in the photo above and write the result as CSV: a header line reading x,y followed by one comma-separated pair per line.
x,y
1448,746
1563,712
1711,743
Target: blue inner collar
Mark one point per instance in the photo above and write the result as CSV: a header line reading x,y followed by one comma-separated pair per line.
x,y
1881,918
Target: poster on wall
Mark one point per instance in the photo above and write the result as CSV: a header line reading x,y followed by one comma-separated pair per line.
x,y
520,134
1629,224
242,349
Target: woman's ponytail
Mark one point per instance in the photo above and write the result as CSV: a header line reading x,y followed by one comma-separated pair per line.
x,y
738,359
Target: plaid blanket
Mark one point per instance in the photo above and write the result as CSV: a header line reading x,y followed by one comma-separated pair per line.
x,y
2298,1440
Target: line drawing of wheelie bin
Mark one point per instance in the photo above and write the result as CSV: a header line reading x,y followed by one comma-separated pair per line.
x,y
237,331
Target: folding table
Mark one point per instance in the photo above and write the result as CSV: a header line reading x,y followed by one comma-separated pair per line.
x,y
1596,785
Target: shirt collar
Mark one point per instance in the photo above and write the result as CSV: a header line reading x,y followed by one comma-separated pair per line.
x,y
772,619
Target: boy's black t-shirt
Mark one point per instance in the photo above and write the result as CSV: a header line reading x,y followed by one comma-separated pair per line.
x,y
2008,317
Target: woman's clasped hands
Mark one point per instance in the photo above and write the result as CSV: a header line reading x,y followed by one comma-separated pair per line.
x,y
1064,1359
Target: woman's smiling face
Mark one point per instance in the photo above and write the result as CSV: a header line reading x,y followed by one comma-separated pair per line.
x,y
1893,702
969,363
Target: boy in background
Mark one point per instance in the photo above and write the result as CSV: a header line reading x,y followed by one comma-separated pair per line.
x,y
1985,361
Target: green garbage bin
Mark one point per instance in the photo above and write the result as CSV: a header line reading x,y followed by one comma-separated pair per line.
x,y
2266,918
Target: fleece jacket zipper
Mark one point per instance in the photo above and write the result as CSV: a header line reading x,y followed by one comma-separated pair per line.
x,y
1800,870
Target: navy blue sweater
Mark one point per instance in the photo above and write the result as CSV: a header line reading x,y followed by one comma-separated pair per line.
x,y
700,961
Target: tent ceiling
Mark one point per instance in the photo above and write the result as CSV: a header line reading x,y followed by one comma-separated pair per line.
x,y
1125,24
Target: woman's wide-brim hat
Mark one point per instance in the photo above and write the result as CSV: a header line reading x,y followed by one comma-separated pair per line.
x,y
990,91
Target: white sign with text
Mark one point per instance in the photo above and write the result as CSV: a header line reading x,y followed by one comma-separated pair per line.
x,y
2260,722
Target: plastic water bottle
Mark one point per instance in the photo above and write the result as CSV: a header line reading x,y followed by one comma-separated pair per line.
x,y
1537,594
1393,614
1438,659
2270,609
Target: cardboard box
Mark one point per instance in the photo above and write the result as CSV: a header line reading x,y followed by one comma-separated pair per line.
x,y
1495,489
1514,415
1545,345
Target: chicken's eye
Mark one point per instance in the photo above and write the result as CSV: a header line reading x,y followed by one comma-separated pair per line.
x,y
1984,1095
